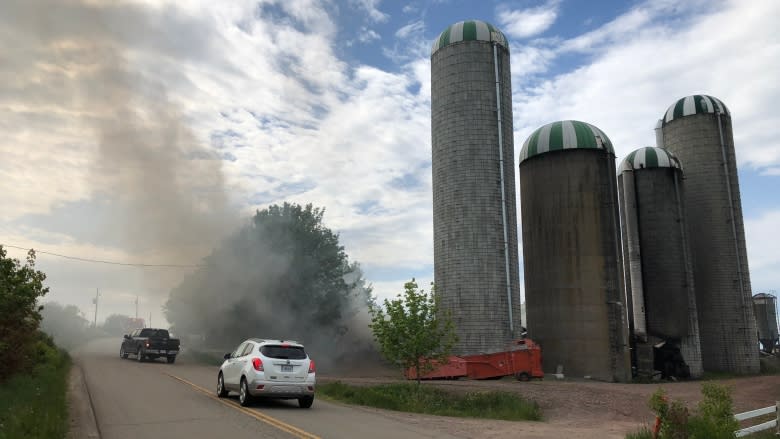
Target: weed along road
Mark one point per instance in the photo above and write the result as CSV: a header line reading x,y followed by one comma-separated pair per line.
x,y
171,401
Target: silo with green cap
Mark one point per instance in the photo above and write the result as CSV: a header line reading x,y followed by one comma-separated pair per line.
x,y
658,267
575,297
697,129
476,265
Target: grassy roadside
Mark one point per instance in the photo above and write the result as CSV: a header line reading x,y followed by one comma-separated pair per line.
x,y
33,405
409,397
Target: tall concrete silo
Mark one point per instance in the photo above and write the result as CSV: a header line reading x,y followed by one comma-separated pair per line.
x,y
697,130
657,264
765,309
571,251
474,215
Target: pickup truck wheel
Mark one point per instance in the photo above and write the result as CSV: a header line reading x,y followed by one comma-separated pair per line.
x,y
171,359
243,394
305,402
122,353
140,355
221,390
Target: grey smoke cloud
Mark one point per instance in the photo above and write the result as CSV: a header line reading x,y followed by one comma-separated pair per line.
x,y
83,62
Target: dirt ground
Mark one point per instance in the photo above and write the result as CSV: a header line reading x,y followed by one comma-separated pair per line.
x,y
582,409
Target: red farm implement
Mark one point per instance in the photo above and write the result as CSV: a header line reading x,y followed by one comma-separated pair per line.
x,y
523,360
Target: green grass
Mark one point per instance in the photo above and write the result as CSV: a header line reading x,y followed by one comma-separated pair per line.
x,y
409,397
33,405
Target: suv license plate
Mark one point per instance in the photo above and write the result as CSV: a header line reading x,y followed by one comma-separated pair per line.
x,y
287,368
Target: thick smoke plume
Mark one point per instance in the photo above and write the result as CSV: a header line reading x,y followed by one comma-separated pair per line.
x,y
112,73
100,73
284,276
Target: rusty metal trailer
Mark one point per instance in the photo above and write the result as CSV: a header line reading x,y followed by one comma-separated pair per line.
x,y
523,360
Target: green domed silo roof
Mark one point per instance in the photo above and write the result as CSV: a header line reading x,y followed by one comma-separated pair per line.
x,y
470,30
694,104
566,134
649,157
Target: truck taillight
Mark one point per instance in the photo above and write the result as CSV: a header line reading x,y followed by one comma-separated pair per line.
x,y
258,364
147,343
311,366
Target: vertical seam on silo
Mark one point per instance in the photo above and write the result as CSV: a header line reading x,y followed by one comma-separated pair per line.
x,y
634,243
731,213
503,190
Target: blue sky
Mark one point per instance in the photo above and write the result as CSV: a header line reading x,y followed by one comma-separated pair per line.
x,y
144,130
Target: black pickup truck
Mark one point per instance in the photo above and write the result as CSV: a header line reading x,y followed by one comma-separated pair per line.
x,y
150,343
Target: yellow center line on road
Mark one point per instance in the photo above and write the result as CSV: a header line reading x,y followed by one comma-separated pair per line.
x,y
281,425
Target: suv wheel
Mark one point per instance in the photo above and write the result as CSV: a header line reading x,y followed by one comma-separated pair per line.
x,y
171,359
140,355
243,394
305,402
221,390
122,353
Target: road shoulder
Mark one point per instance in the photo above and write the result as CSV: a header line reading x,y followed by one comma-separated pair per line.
x,y
81,415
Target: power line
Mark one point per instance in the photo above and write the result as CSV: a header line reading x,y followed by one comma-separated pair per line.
x,y
99,261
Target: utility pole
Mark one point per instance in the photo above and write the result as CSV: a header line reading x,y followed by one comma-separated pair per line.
x,y
150,319
136,307
97,295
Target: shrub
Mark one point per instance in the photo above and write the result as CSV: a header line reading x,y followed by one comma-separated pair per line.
x,y
713,419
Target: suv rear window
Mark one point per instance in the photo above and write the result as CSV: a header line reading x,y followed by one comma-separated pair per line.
x,y
283,352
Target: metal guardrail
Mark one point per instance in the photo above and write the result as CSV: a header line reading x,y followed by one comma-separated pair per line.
x,y
760,427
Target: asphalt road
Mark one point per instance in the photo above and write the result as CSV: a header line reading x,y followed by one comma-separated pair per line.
x,y
172,401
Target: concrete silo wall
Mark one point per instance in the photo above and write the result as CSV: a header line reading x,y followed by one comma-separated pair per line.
x,y
663,258
714,207
667,288
469,259
574,293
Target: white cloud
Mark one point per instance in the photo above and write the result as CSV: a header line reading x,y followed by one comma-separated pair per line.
x,y
625,85
389,289
415,28
524,23
529,60
372,8
409,9
763,256
367,35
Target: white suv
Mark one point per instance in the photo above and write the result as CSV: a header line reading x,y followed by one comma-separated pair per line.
x,y
268,368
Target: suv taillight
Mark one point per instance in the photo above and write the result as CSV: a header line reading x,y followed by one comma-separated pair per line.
x,y
258,364
311,366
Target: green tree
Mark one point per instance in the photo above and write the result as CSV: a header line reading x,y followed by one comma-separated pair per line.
x,y
21,285
411,331
284,275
